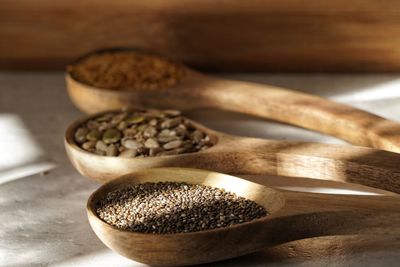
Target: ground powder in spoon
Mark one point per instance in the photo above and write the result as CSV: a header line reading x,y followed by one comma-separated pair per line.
x,y
126,70
170,207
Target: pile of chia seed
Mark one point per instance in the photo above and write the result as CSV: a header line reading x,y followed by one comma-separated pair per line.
x,y
170,207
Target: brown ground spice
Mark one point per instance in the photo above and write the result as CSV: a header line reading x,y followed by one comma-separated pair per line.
x,y
126,70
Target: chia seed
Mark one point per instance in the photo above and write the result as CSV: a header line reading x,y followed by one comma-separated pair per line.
x,y
170,207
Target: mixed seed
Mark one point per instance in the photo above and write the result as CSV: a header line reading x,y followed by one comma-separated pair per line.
x,y
132,134
126,70
169,207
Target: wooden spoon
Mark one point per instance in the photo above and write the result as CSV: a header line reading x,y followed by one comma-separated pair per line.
x,y
292,216
241,155
197,90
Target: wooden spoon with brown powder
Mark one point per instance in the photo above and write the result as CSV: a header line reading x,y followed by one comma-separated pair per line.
x,y
114,79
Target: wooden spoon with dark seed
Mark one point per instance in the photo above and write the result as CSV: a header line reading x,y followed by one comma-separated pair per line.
x,y
292,216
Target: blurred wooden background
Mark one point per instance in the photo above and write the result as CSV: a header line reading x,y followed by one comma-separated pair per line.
x,y
223,35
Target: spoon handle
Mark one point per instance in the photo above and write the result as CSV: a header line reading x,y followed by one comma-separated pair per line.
x,y
305,110
362,165
308,215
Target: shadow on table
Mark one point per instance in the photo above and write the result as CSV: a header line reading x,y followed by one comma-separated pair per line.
x,y
325,251
43,219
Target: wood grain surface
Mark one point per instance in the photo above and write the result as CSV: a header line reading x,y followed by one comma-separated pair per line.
x,y
254,35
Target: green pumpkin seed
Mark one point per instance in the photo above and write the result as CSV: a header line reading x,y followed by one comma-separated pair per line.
x,y
93,135
80,135
103,118
111,136
134,119
122,125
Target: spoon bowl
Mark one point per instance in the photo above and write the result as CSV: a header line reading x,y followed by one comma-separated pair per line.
x,y
241,155
291,216
197,90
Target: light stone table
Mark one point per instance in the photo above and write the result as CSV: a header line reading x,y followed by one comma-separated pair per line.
x,y
42,198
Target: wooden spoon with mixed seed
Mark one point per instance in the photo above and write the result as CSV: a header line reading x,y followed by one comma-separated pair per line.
x,y
132,134
106,145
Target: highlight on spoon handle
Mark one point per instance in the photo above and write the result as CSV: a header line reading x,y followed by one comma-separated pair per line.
x,y
307,215
235,155
308,111
362,165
